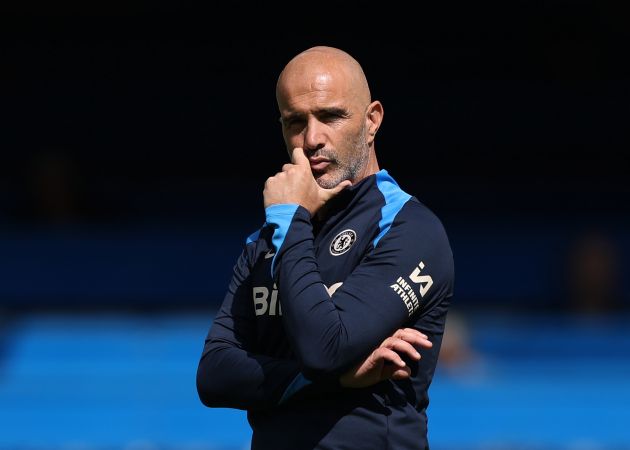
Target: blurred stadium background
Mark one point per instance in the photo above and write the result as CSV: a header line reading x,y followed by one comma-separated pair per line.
x,y
134,146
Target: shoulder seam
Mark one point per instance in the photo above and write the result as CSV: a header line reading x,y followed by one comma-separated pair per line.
x,y
395,199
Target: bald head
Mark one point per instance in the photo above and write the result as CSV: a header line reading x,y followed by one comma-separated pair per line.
x,y
318,66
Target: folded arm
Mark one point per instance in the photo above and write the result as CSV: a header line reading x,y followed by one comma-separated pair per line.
x,y
229,374
409,270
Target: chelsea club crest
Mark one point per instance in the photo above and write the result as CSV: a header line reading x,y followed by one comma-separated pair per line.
x,y
342,242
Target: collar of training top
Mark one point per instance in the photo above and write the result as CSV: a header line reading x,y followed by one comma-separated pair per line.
x,y
345,198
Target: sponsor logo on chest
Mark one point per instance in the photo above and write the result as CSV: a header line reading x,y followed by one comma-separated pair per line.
x,y
265,304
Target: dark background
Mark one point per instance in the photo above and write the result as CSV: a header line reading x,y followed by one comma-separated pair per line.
x,y
135,141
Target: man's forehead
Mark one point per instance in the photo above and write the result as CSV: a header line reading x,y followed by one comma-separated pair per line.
x,y
320,79
318,93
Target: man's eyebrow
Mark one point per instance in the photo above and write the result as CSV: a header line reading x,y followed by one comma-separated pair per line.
x,y
333,110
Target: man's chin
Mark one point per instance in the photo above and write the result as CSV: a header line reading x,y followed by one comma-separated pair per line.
x,y
326,180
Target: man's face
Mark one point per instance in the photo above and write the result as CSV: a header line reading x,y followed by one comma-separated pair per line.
x,y
319,114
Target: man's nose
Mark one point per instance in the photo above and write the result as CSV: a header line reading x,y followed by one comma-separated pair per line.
x,y
314,136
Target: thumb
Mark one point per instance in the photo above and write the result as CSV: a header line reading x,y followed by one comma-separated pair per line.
x,y
298,157
337,189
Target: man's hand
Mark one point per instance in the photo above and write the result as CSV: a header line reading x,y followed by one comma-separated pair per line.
x,y
375,368
296,184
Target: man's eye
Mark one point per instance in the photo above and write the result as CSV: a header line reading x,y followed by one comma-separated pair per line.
x,y
291,123
331,117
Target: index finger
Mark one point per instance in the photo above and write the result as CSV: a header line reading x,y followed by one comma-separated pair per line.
x,y
413,337
409,332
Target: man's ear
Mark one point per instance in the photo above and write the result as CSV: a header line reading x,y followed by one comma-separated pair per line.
x,y
373,117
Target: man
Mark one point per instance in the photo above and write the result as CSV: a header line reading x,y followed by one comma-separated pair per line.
x,y
331,298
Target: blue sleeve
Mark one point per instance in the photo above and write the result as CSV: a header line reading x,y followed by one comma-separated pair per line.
x,y
230,373
403,277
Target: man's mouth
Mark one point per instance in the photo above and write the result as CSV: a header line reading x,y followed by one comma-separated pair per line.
x,y
318,164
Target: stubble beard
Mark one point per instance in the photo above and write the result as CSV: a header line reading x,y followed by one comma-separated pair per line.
x,y
350,169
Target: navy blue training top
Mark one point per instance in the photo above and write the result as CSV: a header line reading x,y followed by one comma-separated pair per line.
x,y
311,298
